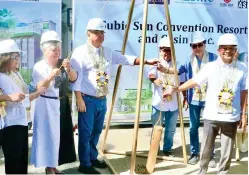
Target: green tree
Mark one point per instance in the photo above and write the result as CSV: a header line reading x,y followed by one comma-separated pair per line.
x,y
8,17
8,23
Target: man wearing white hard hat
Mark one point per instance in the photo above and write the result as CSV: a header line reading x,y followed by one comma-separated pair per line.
x,y
13,111
46,129
167,107
226,91
93,63
194,98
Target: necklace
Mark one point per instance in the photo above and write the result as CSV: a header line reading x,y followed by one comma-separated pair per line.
x,y
3,112
18,80
226,94
99,62
167,80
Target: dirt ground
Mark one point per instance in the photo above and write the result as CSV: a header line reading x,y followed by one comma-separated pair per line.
x,y
120,139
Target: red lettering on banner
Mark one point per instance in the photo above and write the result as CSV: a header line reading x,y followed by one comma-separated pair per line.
x,y
227,1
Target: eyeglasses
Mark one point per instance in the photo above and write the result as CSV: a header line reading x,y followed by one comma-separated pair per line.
x,y
165,49
194,46
15,57
224,48
97,32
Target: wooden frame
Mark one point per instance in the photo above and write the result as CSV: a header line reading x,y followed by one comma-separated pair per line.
x,y
141,68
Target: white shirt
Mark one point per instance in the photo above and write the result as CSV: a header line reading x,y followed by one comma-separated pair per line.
x,y
16,113
157,100
81,62
212,73
41,71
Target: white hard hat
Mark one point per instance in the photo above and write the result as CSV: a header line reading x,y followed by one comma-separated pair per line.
x,y
197,37
50,36
164,42
228,39
8,46
96,24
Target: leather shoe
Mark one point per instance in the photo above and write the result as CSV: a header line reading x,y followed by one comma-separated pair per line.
x,y
168,153
98,164
88,170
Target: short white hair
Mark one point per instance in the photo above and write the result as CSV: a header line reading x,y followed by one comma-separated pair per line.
x,y
47,45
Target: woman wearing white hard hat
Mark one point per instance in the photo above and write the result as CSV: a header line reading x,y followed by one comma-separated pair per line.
x,y
226,92
46,134
16,69
15,132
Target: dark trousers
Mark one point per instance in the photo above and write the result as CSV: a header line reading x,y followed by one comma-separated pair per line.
x,y
210,131
67,152
15,149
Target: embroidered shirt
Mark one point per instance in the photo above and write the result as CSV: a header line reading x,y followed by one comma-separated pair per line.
x,y
211,74
81,62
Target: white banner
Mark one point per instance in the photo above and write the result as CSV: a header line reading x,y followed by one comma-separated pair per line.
x,y
213,17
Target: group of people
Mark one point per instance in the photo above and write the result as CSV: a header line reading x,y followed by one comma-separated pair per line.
x,y
52,114
194,98
215,85
87,73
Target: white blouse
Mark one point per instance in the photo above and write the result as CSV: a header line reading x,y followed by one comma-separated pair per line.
x,y
42,71
16,113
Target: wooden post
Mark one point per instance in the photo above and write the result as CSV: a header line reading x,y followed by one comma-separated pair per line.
x,y
166,6
118,76
140,81
107,162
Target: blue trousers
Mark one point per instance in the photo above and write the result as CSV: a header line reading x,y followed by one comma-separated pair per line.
x,y
194,116
90,125
170,119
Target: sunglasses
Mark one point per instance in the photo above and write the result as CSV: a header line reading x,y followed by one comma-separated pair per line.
x,y
165,49
194,46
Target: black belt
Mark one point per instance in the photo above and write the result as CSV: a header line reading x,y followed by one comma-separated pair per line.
x,y
49,97
100,97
